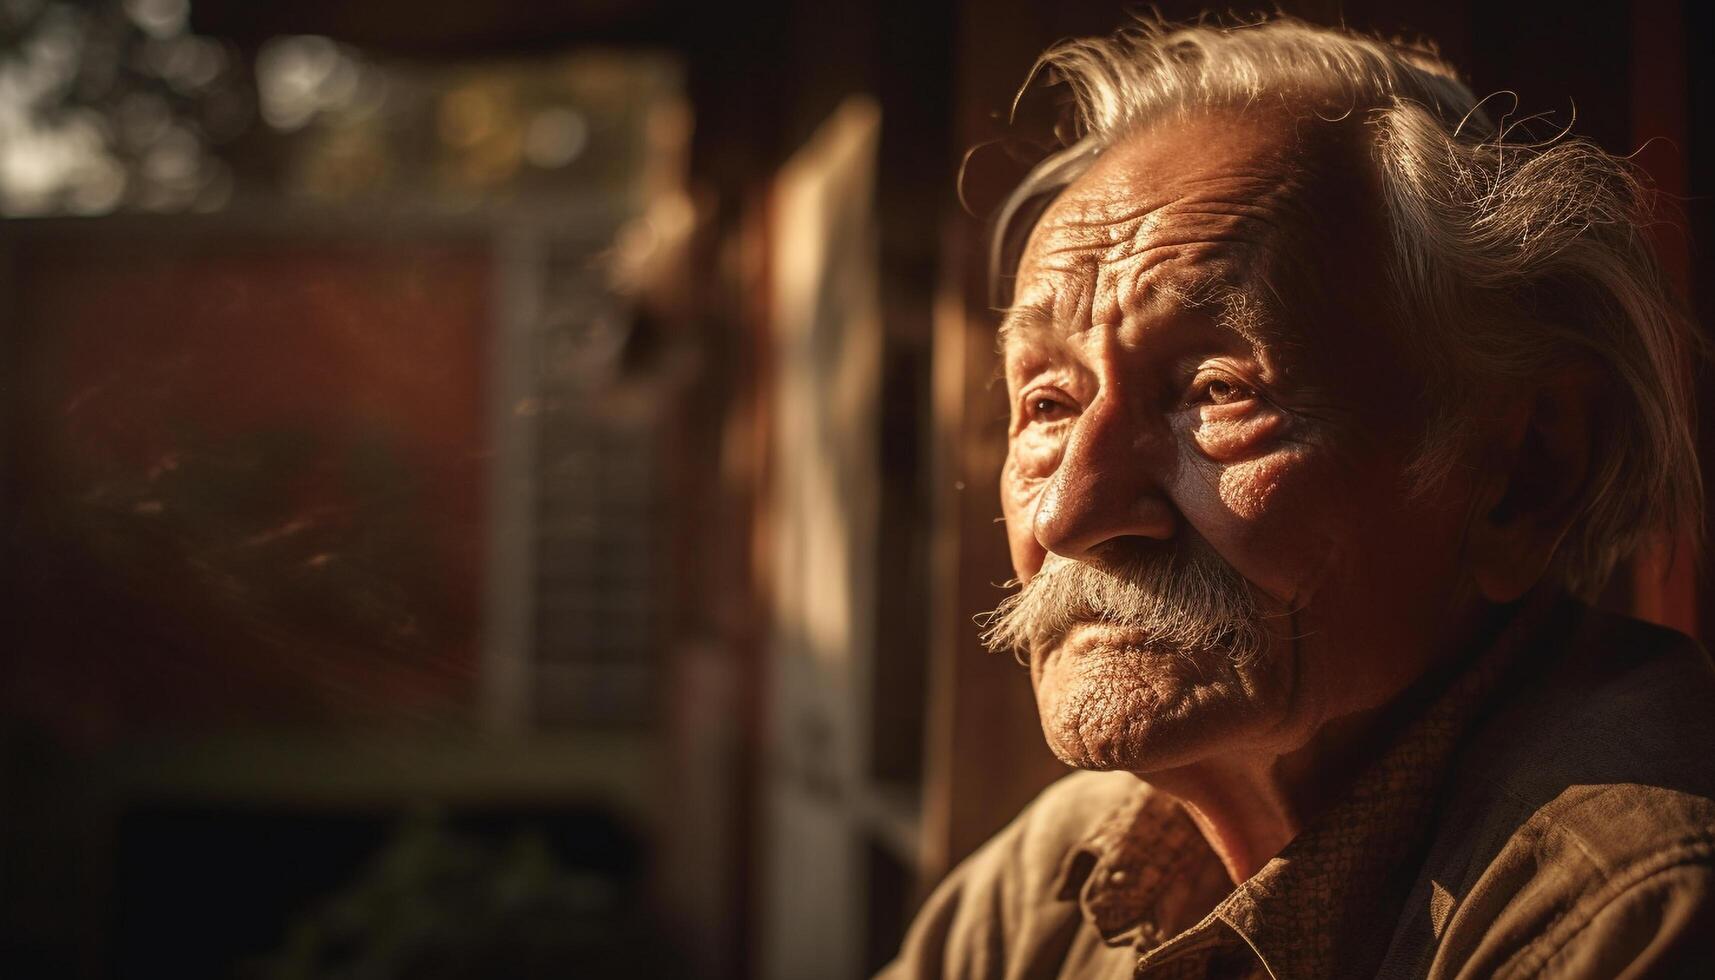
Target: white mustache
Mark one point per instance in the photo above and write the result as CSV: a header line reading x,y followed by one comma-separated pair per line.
x,y
1193,604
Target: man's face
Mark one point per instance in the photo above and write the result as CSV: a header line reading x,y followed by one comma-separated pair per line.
x,y
1204,382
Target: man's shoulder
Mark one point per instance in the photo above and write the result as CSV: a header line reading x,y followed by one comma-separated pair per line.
x,y
1022,865
1578,829
1073,805
1062,817
1000,910
1581,883
1583,811
1623,709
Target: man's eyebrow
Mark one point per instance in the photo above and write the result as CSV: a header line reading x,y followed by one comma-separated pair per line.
x,y
1241,310
1244,314
1020,324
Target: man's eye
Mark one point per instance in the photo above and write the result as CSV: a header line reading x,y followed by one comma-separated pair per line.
x,y
1046,408
1220,391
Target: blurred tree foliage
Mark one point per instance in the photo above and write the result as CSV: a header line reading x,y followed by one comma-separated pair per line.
x,y
436,905
115,105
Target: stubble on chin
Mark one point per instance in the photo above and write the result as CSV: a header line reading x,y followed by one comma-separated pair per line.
x,y
1109,703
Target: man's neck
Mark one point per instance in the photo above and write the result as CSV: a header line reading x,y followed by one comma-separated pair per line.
x,y
1250,806
1249,803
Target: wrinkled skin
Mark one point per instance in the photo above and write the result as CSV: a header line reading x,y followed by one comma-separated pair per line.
x,y
1198,357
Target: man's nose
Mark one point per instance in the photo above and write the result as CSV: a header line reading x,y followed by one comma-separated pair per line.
x,y
1108,484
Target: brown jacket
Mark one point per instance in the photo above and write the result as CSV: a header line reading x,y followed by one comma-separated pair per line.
x,y
1551,813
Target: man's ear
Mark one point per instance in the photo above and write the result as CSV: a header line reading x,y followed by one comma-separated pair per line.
x,y
1541,455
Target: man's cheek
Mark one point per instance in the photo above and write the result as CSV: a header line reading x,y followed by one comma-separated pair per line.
x,y
1035,454
1018,495
1252,489
1269,517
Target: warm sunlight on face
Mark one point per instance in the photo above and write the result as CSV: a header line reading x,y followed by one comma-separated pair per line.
x,y
1200,371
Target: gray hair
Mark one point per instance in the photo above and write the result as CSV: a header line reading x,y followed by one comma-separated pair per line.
x,y
1509,257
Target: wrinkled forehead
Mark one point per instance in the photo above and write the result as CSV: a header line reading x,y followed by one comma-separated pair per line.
x,y
1225,294
1239,210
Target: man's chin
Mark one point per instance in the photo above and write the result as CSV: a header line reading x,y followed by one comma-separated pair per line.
x,y
1109,699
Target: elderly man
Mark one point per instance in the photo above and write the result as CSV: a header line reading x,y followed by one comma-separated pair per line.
x,y
1328,400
